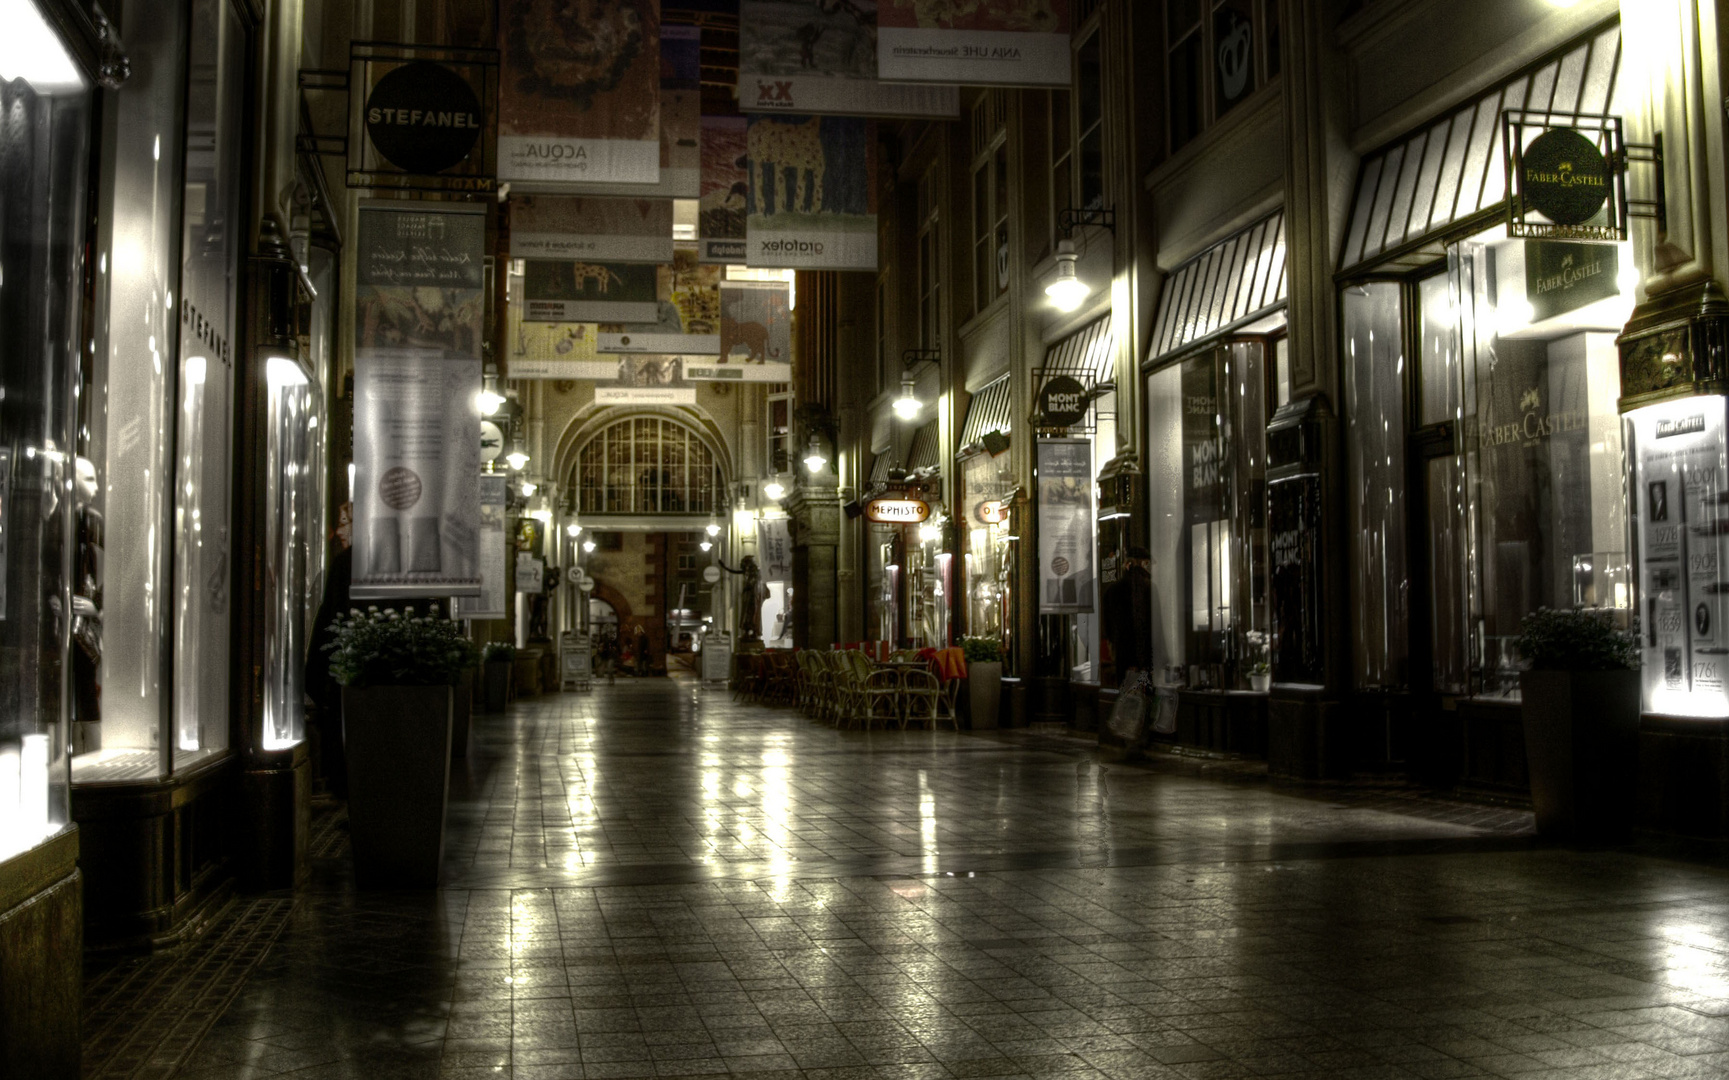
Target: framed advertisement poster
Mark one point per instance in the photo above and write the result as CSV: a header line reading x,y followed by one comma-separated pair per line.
x,y
1065,494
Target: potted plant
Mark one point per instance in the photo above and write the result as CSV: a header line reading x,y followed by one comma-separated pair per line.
x,y
397,670
984,680
1260,670
500,658
1579,700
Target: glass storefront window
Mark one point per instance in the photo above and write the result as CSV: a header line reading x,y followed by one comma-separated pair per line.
x,y
1541,440
291,490
1206,467
1375,447
986,537
43,156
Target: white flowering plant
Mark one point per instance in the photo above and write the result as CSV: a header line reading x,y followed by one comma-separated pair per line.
x,y
1258,642
391,648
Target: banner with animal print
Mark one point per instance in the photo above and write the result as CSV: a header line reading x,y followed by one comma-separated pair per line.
x,y
755,334
820,56
812,193
974,42
579,93
591,230
725,190
688,322
646,380
563,291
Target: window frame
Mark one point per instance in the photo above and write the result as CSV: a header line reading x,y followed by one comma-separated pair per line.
x,y
1264,65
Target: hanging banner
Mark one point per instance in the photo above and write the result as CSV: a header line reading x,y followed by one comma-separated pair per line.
x,y
680,121
419,319
774,549
566,292
725,190
820,56
755,323
591,230
494,550
646,380
690,313
579,93
704,369
1065,492
981,43
421,117
812,193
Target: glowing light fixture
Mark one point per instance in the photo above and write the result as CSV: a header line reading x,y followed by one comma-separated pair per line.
x,y
775,490
489,399
573,530
707,545
713,528
528,488
1067,291
907,406
588,545
32,51
516,458
815,459
279,372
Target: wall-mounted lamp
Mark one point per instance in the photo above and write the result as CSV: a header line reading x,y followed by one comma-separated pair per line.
x,y
815,459
775,490
573,530
907,406
713,527
588,545
528,488
489,399
1067,291
707,545
516,458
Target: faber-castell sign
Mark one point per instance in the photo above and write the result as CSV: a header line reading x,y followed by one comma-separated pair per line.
x,y
897,511
1564,183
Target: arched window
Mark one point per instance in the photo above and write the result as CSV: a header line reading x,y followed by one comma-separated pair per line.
x,y
646,465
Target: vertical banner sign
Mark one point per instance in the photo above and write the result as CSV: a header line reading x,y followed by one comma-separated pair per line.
x,y
418,328
774,549
690,311
494,550
820,56
980,43
725,190
579,92
812,193
1065,491
591,230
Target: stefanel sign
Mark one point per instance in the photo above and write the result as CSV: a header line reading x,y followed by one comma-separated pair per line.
x,y
420,117
897,511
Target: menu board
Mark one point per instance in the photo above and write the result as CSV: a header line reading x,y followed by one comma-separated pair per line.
x,y
1681,484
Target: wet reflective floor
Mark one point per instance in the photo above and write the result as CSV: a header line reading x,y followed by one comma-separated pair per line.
x,y
648,880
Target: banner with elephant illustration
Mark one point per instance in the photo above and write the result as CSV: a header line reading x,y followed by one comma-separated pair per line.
x,y
820,56
419,321
977,42
579,93
583,229
689,320
725,190
812,193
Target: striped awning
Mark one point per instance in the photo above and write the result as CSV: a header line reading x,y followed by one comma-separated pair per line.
x,y
1089,354
1456,167
926,452
1233,282
881,466
987,412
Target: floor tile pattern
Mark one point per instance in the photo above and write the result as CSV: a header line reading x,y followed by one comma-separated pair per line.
x,y
647,881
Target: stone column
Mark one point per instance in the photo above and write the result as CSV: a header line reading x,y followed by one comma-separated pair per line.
x,y
816,533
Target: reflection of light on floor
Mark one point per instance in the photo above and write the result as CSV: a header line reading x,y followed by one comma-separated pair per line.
x,y
927,822
909,890
1693,959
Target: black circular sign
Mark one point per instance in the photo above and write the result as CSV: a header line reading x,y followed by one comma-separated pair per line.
x,y
423,117
1062,401
1565,177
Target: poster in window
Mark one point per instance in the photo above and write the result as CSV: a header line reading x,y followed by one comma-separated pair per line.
x,y
820,56
1294,524
564,291
812,193
725,189
1065,493
689,305
587,229
981,43
417,356
579,92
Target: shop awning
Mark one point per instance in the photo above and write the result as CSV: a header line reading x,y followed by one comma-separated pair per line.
x,y
881,466
987,412
1456,167
926,452
1231,283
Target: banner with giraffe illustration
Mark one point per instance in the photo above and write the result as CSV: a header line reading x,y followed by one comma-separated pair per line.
x,y
812,200
981,43
591,230
579,93
689,317
725,190
820,56
566,291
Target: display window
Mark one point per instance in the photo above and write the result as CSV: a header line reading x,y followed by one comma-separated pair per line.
x,y
162,403
1514,446
986,531
1206,480
44,149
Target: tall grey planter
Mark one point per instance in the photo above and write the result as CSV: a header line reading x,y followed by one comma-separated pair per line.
x,y
398,743
984,694
462,712
1582,746
497,684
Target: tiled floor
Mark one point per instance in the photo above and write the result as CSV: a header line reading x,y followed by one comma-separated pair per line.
x,y
649,881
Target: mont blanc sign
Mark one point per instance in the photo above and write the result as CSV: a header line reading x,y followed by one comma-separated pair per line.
x,y
890,510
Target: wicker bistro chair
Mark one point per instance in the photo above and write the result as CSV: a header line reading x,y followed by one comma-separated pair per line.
x,y
744,676
948,690
780,678
920,695
882,694
855,704
806,684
